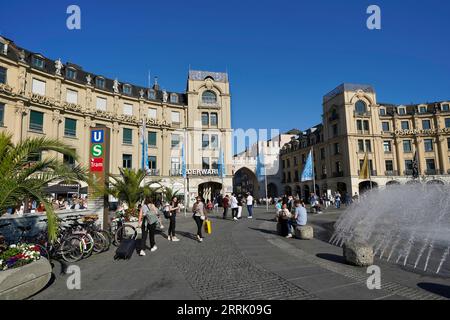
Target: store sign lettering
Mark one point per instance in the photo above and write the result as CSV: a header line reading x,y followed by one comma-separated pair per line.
x,y
96,164
421,131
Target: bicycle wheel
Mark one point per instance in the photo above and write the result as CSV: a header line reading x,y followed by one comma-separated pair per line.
x,y
71,249
88,244
100,241
107,236
124,232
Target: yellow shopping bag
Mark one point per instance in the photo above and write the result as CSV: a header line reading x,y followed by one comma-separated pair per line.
x,y
207,225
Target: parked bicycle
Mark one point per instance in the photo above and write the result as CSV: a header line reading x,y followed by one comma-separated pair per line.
x,y
122,230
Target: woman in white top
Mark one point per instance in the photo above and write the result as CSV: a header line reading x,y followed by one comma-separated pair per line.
x,y
147,220
234,207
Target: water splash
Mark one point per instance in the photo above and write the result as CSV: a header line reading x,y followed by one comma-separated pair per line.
x,y
403,224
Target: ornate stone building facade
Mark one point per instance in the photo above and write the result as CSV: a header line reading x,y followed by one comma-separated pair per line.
x,y
355,124
43,97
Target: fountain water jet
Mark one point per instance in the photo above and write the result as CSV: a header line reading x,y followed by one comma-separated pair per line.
x,y
402,224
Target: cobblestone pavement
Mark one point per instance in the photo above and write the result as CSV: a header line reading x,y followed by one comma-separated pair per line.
x,y
240,260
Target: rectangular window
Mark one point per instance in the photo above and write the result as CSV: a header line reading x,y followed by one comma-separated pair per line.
x,y
175,164
426,124
215,163
100,83
152,139
70,127
213,119
127,161
447,122
152,113
387,146
38,87
446,107
366,125
335,130
127,89
389,165
69,161
205,119
405,125
72,96
385,126
288,163
407,146
361,145
382,112
71,73
175,141
448,139
205,163
402,111
214,141
338,167
422,109
359,125
428,145
36,121
368,146
337,148
127,109
101,103
408,165
295,161
127,136
322,153
37,62
2,114
205,141
152,162
2,75
175,117
430,164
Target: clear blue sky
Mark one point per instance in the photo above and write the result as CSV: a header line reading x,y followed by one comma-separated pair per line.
x,y
282,56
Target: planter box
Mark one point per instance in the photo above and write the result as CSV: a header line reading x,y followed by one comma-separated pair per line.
x,y
21,283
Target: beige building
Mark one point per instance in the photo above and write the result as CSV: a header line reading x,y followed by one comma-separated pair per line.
x,y
354,124
41,97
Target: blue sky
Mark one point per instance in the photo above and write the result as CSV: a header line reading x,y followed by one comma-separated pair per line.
x,y
282,56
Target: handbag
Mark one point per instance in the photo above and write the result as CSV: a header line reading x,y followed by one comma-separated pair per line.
x,y
207,225
151,218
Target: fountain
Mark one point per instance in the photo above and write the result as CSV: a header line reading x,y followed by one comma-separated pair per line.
x,y
405,224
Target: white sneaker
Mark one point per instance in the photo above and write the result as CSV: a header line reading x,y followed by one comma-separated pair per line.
x,y
250,217
289,236
175,239
142,253
169,238
154,249
235,219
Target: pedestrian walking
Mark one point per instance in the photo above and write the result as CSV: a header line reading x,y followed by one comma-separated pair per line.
x,y
250,205
234,207
148,220
199,217
174,209
240,200
225,204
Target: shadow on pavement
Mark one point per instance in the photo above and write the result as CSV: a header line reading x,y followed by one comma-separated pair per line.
x,y
264,231
435,288
188,235
331,257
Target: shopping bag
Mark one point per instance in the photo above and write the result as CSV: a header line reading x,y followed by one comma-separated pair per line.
x,y
207,225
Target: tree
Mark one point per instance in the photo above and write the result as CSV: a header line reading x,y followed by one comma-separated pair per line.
x,y
22,178
169,193
129,187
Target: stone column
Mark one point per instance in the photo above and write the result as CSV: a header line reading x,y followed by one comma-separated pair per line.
x,y
165,163
19,123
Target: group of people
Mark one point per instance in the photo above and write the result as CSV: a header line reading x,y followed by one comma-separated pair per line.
x,y
236,203
291,214
150,216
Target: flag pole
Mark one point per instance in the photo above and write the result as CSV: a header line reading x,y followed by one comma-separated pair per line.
x,y
313,174
265,182
183,169
370,171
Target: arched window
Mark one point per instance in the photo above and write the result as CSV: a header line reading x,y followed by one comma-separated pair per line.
x,y
173,98
209,97
360,107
